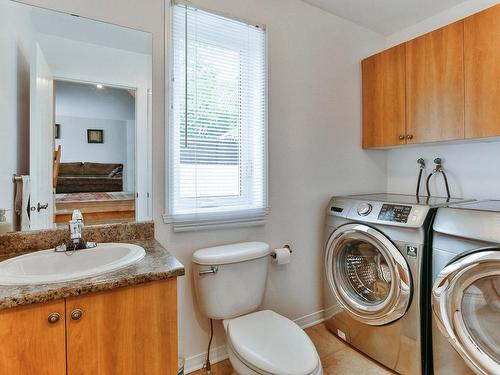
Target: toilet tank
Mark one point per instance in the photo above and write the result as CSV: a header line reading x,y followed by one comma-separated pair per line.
x,y
230,280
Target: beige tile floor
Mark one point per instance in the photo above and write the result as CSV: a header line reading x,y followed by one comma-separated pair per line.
x,y
336,356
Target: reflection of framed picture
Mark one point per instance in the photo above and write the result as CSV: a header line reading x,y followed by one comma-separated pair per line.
x,y
57,131
95,136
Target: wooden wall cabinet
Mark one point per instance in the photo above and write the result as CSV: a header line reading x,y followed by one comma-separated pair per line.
x,y
445,87
384,98
482,73
126,331
435,86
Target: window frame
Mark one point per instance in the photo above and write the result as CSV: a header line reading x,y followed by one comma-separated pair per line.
x,y
213,219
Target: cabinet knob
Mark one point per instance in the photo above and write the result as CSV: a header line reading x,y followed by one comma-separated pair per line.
x,y
54,318
409,136
76,314
401,137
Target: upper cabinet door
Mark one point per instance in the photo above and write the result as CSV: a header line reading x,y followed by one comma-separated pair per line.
x,y
384,98
33,340
435,85
482,73
126,331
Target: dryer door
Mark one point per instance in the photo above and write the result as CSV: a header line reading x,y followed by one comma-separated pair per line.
x,y
367,274
466,304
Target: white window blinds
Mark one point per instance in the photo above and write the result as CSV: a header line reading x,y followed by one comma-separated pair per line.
x,y
218,152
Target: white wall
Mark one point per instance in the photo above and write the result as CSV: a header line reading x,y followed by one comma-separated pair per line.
x,y
86,100
441,19
314,138
471,167
16,50
75,147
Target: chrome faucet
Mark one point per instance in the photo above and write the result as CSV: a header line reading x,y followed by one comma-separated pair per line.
x,y
76,225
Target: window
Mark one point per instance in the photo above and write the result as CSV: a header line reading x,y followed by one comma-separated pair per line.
x,y
218,116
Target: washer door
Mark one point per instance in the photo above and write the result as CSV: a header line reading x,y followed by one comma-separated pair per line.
x,y
367,274
466,305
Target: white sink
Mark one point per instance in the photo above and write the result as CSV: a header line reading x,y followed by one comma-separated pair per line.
x,y
48,266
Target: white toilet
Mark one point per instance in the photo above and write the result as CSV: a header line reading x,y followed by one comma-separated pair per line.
x,y
230,281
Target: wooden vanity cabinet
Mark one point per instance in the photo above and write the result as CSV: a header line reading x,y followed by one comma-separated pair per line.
x,y
127,331
30,343
384,98
435,86
482,73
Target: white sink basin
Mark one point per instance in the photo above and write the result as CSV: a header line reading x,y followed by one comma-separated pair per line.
x,y
48,266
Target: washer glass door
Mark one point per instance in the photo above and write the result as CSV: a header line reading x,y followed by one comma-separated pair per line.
x,y
466,303
364,271
367,274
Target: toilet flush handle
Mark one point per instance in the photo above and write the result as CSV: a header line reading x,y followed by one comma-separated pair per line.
x,y
213,269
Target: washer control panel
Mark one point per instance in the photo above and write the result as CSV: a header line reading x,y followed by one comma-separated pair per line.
x,y
394,213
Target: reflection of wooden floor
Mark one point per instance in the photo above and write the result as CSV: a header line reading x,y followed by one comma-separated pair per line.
x,y
97,208
337,357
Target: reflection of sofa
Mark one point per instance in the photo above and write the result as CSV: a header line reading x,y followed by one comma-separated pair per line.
x,y
89,177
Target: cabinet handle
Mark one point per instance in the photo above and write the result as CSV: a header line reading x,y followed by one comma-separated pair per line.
x,y
401,137
76,314
54,318
409,136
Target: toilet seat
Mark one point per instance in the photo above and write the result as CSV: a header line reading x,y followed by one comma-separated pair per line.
x,y
271,344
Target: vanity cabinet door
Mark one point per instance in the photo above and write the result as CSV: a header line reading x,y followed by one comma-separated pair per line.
x,y
482,73
32,340
126,331
435,85
384,121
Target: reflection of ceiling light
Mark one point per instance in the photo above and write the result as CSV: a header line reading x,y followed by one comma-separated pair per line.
x,y
99,86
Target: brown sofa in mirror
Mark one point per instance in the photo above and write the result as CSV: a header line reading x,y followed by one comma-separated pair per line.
x,y
83,177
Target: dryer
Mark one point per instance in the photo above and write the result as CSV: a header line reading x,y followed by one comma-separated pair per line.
x,y
376,284
466,291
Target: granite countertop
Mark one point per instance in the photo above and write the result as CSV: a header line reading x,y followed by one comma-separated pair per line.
x,y
158,264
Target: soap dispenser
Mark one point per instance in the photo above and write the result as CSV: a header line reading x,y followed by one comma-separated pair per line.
x,y
5,226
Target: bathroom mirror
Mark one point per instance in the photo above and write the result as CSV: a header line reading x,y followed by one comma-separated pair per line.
x,y
75,119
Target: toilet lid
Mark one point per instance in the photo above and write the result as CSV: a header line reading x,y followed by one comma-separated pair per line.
x,y
272,344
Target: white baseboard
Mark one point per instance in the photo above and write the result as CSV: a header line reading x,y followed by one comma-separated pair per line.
x,y
310,320
219,354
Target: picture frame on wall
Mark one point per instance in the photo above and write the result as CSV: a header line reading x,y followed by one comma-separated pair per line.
x,y
57,131
95,136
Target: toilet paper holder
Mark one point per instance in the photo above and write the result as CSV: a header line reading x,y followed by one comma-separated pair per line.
x,y
273,255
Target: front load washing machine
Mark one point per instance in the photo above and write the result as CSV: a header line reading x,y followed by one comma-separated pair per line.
x,y
466,292
375,267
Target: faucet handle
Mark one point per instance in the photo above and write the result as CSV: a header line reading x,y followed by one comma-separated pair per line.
x,y
77,215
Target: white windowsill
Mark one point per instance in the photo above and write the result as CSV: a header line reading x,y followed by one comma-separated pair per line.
x,y
216,223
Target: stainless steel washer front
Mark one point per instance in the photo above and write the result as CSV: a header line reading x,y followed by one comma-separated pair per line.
x,y
367,274
466,305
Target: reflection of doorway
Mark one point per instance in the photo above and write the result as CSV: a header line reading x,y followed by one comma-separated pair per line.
x,y
40,202
96,130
